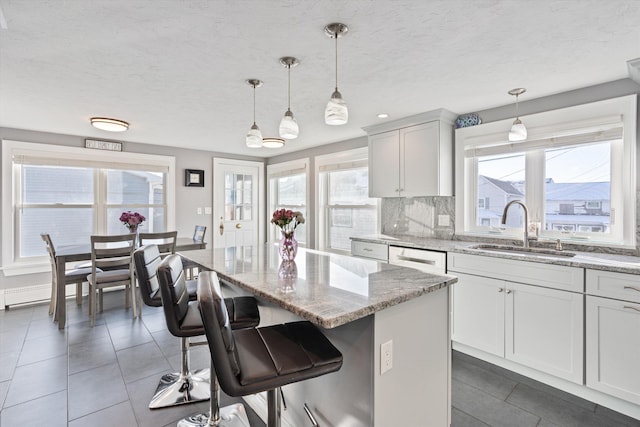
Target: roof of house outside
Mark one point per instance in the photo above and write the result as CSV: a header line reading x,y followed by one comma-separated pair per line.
x,y
578,191
503,185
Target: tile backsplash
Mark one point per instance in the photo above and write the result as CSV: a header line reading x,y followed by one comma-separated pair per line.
x,y
419,216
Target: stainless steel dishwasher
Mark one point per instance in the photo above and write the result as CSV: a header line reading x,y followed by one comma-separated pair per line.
x,y
421,259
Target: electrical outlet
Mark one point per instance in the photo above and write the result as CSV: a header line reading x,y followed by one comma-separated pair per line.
x,y
207,210
386,356
443,220
199,211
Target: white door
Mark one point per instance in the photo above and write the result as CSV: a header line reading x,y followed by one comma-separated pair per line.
x,y
478,313
544,330
238,196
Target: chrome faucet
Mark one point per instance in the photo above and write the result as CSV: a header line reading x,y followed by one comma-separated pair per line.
x,y
526,219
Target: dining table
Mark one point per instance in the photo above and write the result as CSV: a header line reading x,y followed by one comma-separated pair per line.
x,y
82,252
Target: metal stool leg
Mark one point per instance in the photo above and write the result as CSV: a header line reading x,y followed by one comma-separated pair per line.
x,y
184,387
273,407
229,416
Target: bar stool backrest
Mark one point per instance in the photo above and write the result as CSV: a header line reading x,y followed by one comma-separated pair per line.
x,y
175,296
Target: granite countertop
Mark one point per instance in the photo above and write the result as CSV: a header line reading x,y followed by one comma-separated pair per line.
x,y
327,289
592,260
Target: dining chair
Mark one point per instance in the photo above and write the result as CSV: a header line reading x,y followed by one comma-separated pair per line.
x,y
76,275
165,241
114,255
191,268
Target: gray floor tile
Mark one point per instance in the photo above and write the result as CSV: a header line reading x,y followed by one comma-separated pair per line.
x,y
13,340
169,344
46,347
128,334
545,423
460,419
155,321
555,410
50,410
8,363
82,332
91,354
37,380
199,358
488,409
618,417
95,389
4,388
488,381
142,361
41,328
116,415
15,319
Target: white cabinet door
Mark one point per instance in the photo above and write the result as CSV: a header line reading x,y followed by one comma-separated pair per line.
x,y
384,164
544,330
419,160
478,313
613,347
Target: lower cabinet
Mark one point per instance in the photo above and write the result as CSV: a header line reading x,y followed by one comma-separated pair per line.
x,y
613,347
538,327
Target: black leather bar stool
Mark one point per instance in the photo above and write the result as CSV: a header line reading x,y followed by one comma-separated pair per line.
x,y
162,282
253,360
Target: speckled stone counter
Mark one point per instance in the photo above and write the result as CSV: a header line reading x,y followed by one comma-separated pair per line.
x,y
592,260
326,289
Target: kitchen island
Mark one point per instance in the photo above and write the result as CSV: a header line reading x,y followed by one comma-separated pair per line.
x,y
359,305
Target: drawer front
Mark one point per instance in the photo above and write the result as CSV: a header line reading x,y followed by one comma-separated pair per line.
x,y
372,250
609,284
531,273
420,259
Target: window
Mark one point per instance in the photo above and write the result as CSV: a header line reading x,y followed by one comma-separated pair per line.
x,y
66,192
345,209
576,174
288,190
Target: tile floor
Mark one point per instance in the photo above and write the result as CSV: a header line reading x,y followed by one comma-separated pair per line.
x,y
105,376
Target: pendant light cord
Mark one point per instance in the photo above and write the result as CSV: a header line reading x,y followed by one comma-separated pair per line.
x,y
517,115
254,104
336,36
289,90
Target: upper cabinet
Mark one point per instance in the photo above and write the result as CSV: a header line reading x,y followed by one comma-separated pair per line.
x,y
412,160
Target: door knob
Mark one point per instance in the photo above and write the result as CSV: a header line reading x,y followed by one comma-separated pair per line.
x,y
238,226
221,226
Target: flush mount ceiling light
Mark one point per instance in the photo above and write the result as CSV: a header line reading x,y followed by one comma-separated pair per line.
x,y
288,125
336,112
110,125
518,131
254,136
273,142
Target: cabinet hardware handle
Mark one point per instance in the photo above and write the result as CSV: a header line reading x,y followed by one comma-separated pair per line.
x,y
221,226
508,291
632,308
500,290
420,260
633,288
368,250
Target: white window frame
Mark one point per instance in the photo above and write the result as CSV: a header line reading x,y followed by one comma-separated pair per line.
x,y
335,161
277,170
11,265
542,126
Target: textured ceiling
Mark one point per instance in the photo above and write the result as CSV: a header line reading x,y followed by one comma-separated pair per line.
x,y
176,70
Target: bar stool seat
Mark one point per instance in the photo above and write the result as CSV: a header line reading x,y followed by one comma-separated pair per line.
x,y
254,360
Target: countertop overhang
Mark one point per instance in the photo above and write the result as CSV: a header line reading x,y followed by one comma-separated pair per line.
x,y
329,290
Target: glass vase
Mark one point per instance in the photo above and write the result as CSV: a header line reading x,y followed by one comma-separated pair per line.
x,y
288,246
287,275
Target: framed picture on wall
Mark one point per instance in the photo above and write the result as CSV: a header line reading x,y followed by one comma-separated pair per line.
x,y
193,178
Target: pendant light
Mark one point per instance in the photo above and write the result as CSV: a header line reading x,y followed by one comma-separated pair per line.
x,y
518,131
288,125
254,136
336,112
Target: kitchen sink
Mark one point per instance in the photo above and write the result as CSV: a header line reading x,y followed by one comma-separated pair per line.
x,y
525,251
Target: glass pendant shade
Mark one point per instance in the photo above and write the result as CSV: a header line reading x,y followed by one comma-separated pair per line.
x,y
289,126
254,137
518,131
336,112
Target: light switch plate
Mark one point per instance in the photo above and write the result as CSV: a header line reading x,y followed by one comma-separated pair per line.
x,y
207,210
199,211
